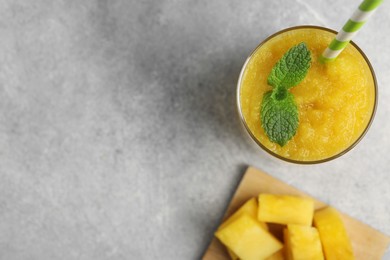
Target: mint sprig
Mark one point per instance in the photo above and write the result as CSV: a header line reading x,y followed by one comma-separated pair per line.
x,y
279,112
292,68
279,117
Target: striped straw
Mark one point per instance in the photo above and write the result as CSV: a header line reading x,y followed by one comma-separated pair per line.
x,y
350,29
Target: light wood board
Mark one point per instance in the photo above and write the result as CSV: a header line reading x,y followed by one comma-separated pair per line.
x,y
368,243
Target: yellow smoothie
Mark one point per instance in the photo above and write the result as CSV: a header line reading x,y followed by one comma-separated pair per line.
x,y
336,101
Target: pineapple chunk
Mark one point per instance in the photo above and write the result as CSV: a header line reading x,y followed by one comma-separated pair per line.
x,y
250,207
334,237
284,209
248,239
304,243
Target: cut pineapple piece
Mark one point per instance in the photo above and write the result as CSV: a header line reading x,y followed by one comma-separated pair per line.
x,y
248,239
334,237
284,209
250,207
304,243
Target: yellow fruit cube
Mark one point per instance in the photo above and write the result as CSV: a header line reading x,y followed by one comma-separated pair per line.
x,y
285,209
334,237
248,239
250,207
304,243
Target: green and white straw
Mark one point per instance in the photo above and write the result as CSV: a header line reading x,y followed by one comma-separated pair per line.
x,y
350,29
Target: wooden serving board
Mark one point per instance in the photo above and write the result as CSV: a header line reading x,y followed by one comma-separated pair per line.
x,y
368,243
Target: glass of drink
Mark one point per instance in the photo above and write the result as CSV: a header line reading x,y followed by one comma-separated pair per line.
x,y
336,101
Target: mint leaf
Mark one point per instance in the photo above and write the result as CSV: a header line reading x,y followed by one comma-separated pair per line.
x,y
279,112
292,68
279,118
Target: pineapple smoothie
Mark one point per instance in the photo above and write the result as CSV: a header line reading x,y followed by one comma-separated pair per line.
x,y
336,101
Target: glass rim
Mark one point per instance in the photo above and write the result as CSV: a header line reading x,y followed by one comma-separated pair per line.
x,y
344,151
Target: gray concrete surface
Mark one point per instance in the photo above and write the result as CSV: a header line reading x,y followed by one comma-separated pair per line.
x,y
119,137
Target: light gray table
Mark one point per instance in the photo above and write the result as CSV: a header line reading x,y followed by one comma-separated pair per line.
x,y
119,137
